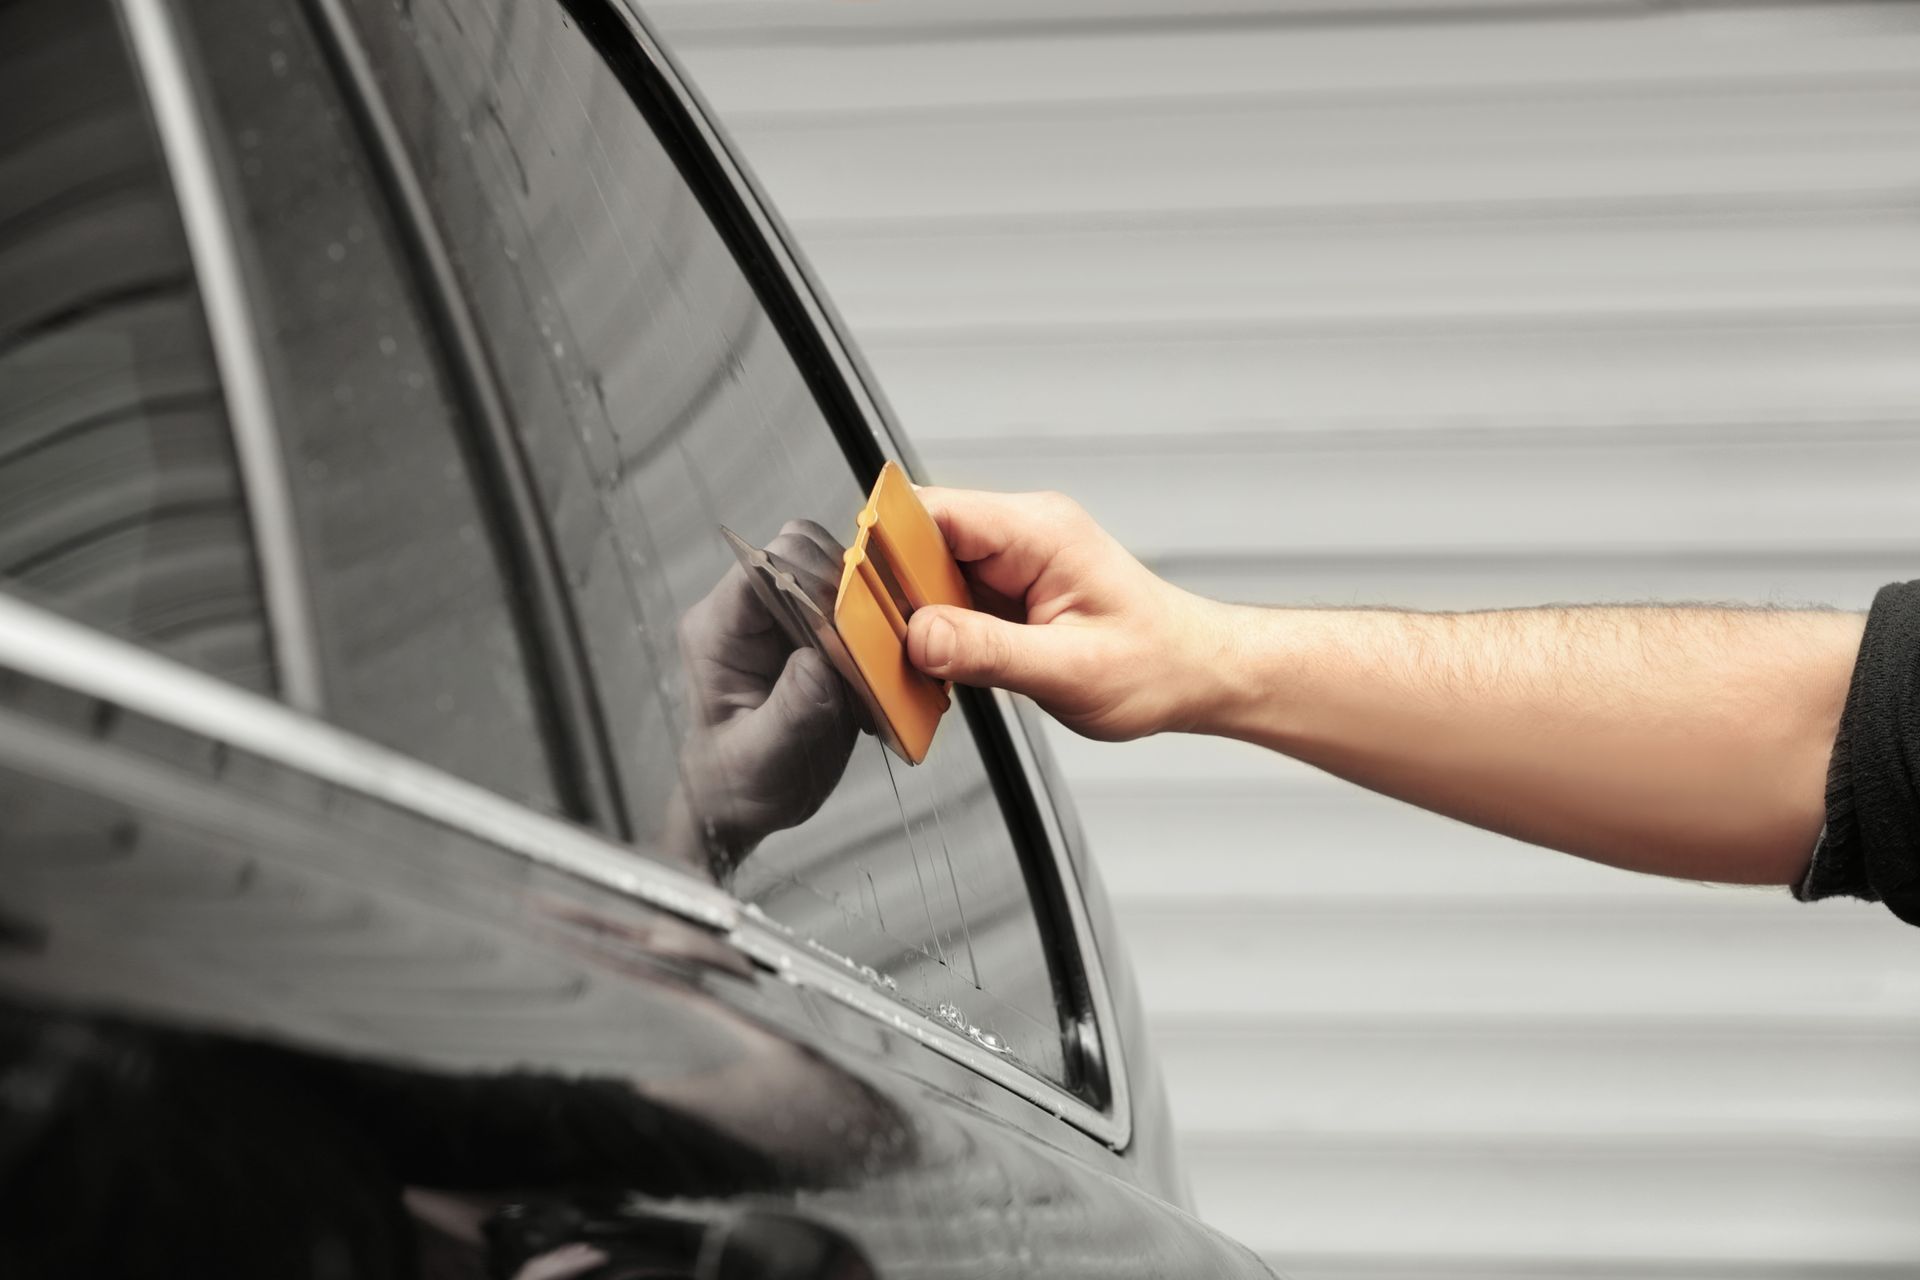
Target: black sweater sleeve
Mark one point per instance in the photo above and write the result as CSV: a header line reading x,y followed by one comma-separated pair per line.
x,y
1870,847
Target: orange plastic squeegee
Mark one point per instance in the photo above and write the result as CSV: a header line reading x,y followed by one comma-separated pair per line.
x,y
898,562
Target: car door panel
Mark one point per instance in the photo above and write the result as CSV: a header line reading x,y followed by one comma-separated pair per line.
x,y
266,970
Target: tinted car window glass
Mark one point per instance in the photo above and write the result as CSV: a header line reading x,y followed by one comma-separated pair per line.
x,y
419,633
659,403
120,495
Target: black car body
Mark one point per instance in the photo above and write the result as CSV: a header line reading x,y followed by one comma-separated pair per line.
x,y
412,862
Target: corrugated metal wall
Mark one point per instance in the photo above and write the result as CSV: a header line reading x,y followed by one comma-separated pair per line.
x,y
1440,304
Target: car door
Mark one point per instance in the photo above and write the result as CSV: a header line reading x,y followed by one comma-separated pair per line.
x,y
389,887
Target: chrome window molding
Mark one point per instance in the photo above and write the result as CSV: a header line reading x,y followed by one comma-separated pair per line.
x,y
48,647
774,947
1114,1125
232,326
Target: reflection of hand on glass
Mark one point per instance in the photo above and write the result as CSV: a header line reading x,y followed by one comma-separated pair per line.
x,y
773,724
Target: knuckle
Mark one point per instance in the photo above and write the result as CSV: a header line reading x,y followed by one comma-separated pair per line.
x,y
1061,510
992,653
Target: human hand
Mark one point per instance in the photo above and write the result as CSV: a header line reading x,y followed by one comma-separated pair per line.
x,y
1069,618
773,724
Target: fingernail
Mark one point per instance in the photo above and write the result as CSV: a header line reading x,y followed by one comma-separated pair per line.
x,y
939,646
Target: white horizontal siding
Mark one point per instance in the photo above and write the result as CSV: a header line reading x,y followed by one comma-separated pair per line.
x,y
859,64
1444,303
1197,157
1593,956
1712,497
1820,257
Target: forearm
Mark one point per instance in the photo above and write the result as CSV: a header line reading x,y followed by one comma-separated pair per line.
x,y
1684,741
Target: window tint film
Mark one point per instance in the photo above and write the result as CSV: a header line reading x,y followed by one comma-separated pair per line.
x,y
658,403
120,496
418,626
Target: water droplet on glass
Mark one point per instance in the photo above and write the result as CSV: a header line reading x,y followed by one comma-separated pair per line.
x,y
387,345
987,1040
337,252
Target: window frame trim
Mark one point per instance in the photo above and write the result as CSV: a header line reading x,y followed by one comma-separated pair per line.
x,y
40,643
287,731
179,119
861,404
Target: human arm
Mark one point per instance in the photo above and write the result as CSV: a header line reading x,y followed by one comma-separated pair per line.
x,y
1684,741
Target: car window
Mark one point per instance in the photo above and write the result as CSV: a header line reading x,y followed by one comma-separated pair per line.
x,y
419,627
658,404
120,496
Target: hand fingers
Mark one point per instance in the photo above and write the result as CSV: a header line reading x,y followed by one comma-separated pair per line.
x,y
979,649
1007,538
987,600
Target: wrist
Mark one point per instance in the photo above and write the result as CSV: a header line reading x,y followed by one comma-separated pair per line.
x,y
1227,647
1259,684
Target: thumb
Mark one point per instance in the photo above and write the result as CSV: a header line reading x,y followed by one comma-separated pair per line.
x,y
978,649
